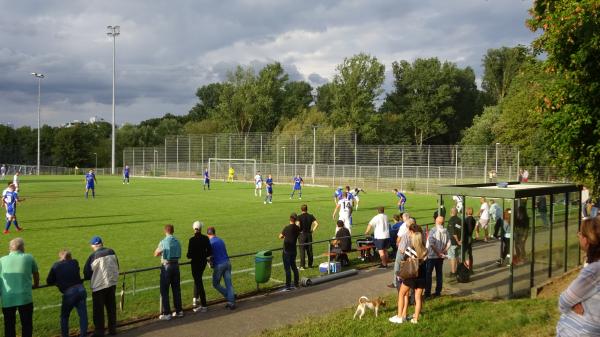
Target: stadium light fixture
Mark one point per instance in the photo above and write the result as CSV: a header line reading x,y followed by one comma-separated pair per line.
x,y
113,31
39,78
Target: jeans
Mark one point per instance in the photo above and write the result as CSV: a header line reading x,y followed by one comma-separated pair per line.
x,y
74,297
197,272
436,264
170,277
289,265
10,320
305,238
104,298
223,271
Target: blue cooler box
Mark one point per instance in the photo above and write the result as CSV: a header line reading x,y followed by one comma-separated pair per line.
x,y
335,267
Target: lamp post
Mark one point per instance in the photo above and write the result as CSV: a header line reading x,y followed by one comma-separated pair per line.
x,y
283,147
96,166
39,77
497,160
113,31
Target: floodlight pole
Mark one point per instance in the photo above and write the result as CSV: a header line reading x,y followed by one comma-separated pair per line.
x,y
39,77
96,166
113,31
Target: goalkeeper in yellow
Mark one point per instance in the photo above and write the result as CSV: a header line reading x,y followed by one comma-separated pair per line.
x,y
231,173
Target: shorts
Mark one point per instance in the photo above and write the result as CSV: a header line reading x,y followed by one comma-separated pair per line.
x,y
297,188
382,244
270,190
89,187
258,185
206,181
356,197
10,212
452,252
483,223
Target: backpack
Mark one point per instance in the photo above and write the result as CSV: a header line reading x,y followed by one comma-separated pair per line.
x,y
463,274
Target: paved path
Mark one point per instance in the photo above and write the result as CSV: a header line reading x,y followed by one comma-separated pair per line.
x,y
273,310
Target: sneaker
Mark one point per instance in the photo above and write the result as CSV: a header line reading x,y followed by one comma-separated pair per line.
x,y
270,202
391,285
300,198
265,202
19,229
382,266
286,289
5,231
230,306
200,309
301,268
396,320
414,321
178,314
164,317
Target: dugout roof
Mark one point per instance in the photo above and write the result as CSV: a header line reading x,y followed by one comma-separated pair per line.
x,y
514,190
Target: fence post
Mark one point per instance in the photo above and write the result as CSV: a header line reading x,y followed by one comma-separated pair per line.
x,y
536,174
202,150
355,160
133,162
216,156
165,156
189,155
428,167
518,161
333,173
295,154
485,165
402,164
277,151
245,154
177,153
229,156
261,148
143,161
377,168
314,167
456,165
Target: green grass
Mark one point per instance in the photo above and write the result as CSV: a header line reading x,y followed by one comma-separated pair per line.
x,y
446,316
130,219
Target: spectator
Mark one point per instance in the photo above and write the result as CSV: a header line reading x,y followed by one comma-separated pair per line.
x,y
18,275
411,245
342,243
455,233
484,220
65,275
308,224
381,234
102,269
458,202
290,234
402,231
542,209
169,250
525,176
467,239
585,202
394,233
438,243
199,250
221,268
505,236
520,176
521,233
579,304
495,217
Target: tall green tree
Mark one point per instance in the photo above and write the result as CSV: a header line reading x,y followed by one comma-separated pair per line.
x,y
434,100
500,67
571,107
356,85
208,96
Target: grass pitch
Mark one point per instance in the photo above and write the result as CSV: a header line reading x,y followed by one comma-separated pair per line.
x,y
130,219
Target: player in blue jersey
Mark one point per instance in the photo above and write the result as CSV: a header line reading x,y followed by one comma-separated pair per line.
x,y
9,201
298,183
126,175
337,195
401,199
269,187
90,181
206,180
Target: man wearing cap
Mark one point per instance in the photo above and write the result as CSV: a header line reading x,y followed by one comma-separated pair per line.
x,y
169,251
199,250
18,275
102,269
221,268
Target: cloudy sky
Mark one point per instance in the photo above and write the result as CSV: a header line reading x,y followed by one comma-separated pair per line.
x,y
167,49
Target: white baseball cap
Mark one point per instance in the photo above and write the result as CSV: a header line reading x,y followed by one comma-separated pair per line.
x,y
197,225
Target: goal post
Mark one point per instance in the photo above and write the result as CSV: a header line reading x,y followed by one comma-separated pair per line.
x,y
244,169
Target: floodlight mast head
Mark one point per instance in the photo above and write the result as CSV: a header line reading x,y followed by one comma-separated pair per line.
x,y
38,75
113,30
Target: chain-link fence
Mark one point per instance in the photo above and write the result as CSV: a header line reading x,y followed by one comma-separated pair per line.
x,y
330,159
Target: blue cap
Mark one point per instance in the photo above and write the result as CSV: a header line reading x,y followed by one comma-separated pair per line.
x,y
96,240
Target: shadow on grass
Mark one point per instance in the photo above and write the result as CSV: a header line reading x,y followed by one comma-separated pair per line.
x,y
116,223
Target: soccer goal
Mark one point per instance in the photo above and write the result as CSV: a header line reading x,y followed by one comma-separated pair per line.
x,y
244,169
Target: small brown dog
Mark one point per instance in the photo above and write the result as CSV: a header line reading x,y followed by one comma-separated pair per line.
x,y
364,302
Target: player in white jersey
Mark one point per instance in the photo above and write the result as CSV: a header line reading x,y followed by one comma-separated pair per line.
x,y
16,180
345,207
355,197
258,184
3,171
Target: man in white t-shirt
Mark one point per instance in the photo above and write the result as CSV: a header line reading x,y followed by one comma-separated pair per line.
x,y
258,184
458,202
484,219
381,234
345,207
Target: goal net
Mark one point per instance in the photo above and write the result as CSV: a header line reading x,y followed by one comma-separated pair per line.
x,y
244,169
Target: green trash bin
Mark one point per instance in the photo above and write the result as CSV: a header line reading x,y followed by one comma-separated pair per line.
x,y
264,260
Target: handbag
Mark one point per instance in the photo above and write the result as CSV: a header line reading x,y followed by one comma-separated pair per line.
x,y
409,268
